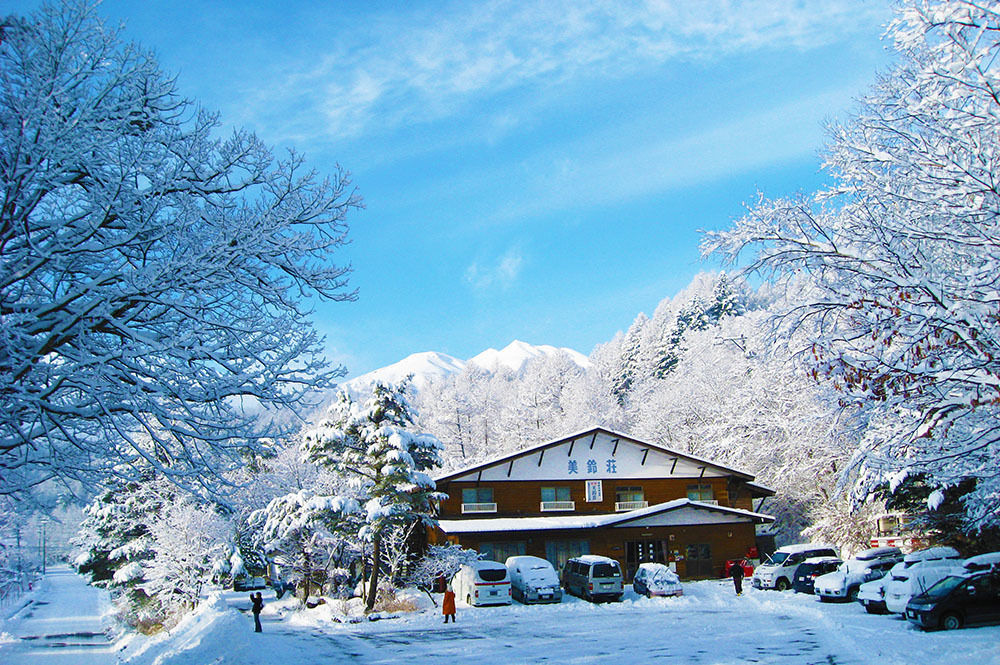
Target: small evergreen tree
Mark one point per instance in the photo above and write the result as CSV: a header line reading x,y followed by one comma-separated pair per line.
x,y
373,446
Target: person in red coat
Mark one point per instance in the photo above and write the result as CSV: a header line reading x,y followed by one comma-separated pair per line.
x,y
448,605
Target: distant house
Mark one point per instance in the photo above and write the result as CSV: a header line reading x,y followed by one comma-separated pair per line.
x,y
599,492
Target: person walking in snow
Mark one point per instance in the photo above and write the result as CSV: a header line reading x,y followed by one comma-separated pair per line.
x,y
258,605
736,571
448,605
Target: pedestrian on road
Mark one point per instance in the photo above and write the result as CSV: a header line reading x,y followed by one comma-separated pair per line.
x,y
258,605
448,605
736,570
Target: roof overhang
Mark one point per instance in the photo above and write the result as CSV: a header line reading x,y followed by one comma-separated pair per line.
x,y
680,512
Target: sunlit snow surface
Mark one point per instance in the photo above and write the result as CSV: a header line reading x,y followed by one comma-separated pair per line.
x,y
708,625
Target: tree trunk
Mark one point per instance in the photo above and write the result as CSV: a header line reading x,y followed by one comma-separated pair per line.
x,y
373,581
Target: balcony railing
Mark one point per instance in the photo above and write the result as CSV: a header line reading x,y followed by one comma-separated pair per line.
x,y
548,506
711,502
622,506
478,508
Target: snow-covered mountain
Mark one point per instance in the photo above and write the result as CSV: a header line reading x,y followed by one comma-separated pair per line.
x,y
431,365
515,355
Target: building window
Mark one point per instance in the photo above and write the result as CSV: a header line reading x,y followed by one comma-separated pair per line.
x,y
700,492
556,498
558,552
478,500
629,498
500,551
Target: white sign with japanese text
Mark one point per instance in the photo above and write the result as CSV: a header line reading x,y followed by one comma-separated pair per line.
x,y
595,491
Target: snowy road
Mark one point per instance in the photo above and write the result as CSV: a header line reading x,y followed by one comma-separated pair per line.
x,y
61,625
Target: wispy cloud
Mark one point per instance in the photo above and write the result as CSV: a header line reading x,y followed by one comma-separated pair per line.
x,y
424,65
502,272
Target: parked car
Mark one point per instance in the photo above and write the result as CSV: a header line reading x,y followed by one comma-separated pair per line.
x,y
956,601
249,583
593,577
778,572
482,583
981,562
533,580
871,595
866,566
656,579
810,569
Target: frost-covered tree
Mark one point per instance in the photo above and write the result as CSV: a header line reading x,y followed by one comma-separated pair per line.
x,y
901,256
305,534
154,271
191,540
439,562
373,445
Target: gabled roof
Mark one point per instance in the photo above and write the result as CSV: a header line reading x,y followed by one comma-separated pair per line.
x,y
641,517
592,434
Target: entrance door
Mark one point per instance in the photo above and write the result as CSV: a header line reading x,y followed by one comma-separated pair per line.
x,y
642,551
698,561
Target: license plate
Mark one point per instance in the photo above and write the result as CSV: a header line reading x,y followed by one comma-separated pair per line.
x,y
493,593
545,596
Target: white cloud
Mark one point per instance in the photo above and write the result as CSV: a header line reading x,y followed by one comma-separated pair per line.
x,y
500,273
418,67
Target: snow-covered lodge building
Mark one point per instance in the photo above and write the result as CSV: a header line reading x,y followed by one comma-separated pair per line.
x,y
599,492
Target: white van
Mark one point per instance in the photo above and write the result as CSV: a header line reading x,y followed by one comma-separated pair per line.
x,y
593,577
920,570
482,583
778,572
866,566
533,580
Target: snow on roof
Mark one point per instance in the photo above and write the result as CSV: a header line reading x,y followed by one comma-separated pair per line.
x,y
823,559
530,449
804,547
982,560
877,553
930,553
581,521
594,558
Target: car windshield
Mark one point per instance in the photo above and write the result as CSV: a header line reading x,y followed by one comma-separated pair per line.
x,y
605,569
541,575
943,587
778,558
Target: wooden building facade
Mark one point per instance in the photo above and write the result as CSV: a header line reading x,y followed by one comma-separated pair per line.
x,y
599,492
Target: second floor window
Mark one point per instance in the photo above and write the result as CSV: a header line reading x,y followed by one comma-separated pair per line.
x,y
477,495
555,494
700,492
628,494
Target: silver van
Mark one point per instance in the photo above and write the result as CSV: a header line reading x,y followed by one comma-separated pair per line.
x,y
778,572
593,577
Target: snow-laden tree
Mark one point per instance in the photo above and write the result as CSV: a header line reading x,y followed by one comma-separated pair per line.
x,y
154,270
306,534
439,562
373,445
902,254
191,540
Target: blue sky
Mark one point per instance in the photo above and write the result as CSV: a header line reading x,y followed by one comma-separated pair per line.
x,y
537,171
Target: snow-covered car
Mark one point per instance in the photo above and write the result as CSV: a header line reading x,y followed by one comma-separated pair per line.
x,y
867,566
810,569
956,601
981,562
482,583
916,579
778,572
593,577
533,580
871,595
656,579
248,583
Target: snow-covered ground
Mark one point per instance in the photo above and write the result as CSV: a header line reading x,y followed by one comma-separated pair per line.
x,y
708,625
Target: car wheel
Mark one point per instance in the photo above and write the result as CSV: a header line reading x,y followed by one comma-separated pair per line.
x,y
782,584
468,600
649,594
951,621
852,594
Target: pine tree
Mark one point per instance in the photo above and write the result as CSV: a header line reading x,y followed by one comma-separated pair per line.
x,y
373,445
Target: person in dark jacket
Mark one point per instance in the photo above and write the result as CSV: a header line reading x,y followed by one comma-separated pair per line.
x,y
736,571
258,605
448,605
